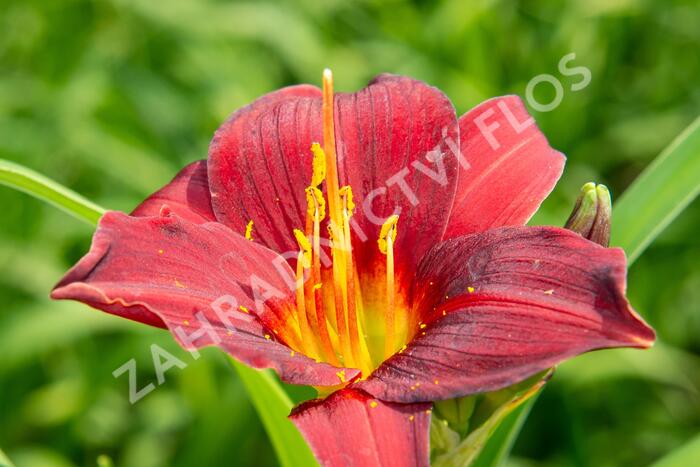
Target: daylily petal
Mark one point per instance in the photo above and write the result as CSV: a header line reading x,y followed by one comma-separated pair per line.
x,y
516,300
187,195
511,170
201,281
398,148
389,136
260,164
350,428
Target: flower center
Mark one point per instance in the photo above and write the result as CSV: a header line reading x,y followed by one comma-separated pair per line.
x,y
333,324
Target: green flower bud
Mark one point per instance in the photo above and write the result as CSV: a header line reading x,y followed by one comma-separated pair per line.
x,y
592,214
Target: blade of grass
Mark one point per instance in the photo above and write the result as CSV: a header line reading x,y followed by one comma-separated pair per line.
x,y
687,454
39,186
273,405
490,443
499,445
659,194
4,461
269,399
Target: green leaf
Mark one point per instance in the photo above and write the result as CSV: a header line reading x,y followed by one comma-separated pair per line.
x,y
270,401
4,461
659,194
35,184
491,441
273,405
501,441
687,454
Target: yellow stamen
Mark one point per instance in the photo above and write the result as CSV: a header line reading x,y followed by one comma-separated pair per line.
x,y
315,203
388,231
387,236
249,230
304,246
348,202
355,333
319,165
304,262
316,212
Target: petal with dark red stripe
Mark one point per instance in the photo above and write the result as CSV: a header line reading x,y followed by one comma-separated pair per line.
x,y
398,148
511,169
397,142
260,164
503,305
187,195
207,285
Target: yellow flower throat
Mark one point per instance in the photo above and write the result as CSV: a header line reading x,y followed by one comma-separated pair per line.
x,y
330,323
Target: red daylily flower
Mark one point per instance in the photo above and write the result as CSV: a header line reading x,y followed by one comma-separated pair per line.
x,y
424,286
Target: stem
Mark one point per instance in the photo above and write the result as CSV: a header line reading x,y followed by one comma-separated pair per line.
x,y
45,189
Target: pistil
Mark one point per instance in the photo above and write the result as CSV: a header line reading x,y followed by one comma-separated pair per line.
x,y
339,253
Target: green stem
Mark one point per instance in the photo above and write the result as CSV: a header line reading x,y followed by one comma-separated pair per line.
x,y
272,405
45,189
5,461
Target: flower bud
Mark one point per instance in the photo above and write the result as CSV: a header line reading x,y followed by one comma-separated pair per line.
x,y
592,214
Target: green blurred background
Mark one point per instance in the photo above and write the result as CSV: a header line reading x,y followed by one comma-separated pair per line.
x,y
110,98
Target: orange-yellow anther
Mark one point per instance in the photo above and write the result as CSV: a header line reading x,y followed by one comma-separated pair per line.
x,y
304,247
249,230
388,233
315,203
319,165
348,203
